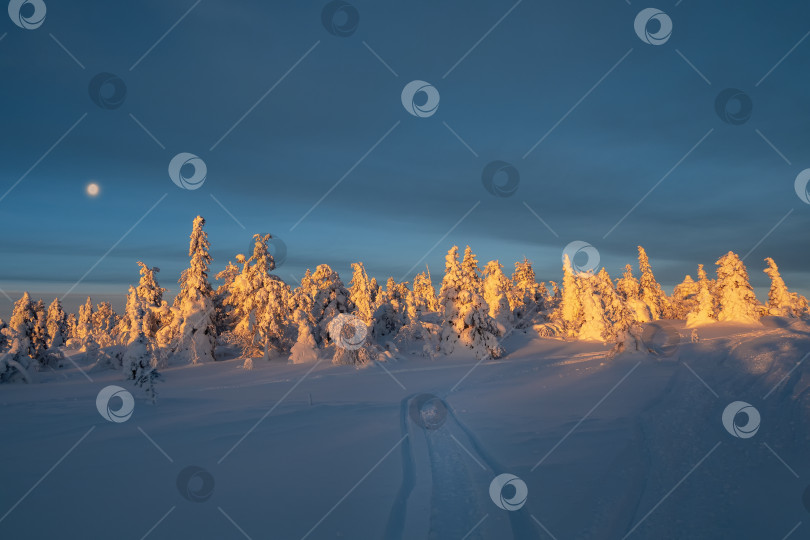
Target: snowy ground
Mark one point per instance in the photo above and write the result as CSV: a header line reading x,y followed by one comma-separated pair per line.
x,y
627,448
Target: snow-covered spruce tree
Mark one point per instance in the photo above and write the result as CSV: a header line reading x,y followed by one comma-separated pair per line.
x,y
618,315
194,321
72,323
275,329
19,363
391,313
222,308
629,289
151,294
705,307
349,336
781,301
684,298
526,297
735,296
448,299
105,323
467,319
57,325
424,294
361,294
305,348
39,340
248,296
497,288
595,325
84,324
328,297
649,289
570,314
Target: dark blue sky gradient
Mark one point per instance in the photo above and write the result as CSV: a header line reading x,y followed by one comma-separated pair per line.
x,y
412,188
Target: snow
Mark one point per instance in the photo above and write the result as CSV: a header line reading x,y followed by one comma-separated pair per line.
x,y
335,454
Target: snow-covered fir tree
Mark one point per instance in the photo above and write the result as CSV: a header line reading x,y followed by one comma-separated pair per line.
x,y
194,306
105,323
526,297
684,298
595,325
496,289
57,325
628,287
705,307
361,293
424,293
781,301
649,290
570,314
735,296
84,323
327,297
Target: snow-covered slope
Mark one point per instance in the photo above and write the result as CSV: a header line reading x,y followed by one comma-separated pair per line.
x,y
632,447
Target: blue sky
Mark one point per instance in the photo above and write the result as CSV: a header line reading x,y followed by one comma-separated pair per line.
x,y
615,115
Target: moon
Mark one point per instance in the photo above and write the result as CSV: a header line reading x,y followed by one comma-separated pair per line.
x,y
92,189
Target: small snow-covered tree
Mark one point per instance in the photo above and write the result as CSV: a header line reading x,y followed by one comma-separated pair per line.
x,y
327,297
684,298
570,312
780,300
620,318
425,299
649,289
361,293
305,349
705,306
595,325
194,322
57,325
628,288
84,324
735,296
526,297
105,322
496,290
449,292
